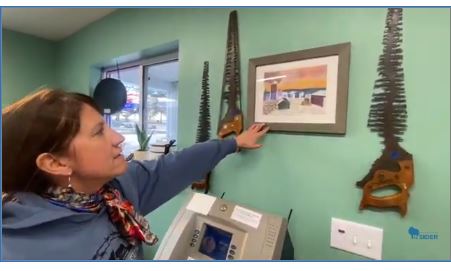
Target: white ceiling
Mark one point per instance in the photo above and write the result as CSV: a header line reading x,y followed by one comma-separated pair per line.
x,y
51,23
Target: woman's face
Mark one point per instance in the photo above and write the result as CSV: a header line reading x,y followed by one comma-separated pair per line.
x,y
95,153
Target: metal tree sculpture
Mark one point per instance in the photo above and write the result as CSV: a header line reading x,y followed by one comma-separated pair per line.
x,y
387,118
203,126
232,121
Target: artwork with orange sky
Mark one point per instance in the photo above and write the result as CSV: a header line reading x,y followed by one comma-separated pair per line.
x,y
298,79
295,91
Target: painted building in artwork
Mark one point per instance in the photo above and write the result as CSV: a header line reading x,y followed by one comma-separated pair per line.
x,y
306,96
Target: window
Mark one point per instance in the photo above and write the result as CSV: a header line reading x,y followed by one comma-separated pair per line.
x,y
152,100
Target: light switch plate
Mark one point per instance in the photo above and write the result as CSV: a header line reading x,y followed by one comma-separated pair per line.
x,y
356,238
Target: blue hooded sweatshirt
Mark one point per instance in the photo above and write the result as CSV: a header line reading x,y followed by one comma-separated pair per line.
x,y
34,229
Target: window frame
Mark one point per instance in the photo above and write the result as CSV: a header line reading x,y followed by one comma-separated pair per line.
x,y
142,64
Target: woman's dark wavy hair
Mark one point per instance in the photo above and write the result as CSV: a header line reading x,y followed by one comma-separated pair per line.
x,y
45,121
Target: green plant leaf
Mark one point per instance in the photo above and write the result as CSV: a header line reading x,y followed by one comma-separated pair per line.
x,y
145,145
143,138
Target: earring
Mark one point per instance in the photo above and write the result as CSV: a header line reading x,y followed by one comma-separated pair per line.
x,y
69,183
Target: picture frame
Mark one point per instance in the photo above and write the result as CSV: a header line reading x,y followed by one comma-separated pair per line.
x,y
304,91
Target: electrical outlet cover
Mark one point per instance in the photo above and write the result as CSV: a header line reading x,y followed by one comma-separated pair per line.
x,y
356,238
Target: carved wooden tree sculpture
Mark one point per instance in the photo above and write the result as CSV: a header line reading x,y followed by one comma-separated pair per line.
x,y
203,127
387,117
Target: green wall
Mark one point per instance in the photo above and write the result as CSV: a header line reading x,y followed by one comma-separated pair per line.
x,y
313,174
28,63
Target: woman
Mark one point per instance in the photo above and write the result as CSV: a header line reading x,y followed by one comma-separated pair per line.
x,y
69,194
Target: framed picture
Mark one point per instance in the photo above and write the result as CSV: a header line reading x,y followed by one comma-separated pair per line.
x,y
302,91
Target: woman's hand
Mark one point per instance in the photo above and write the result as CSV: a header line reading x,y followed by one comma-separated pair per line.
x,y
249,138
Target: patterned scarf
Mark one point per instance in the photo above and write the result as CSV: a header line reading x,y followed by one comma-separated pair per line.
x,y
132,226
